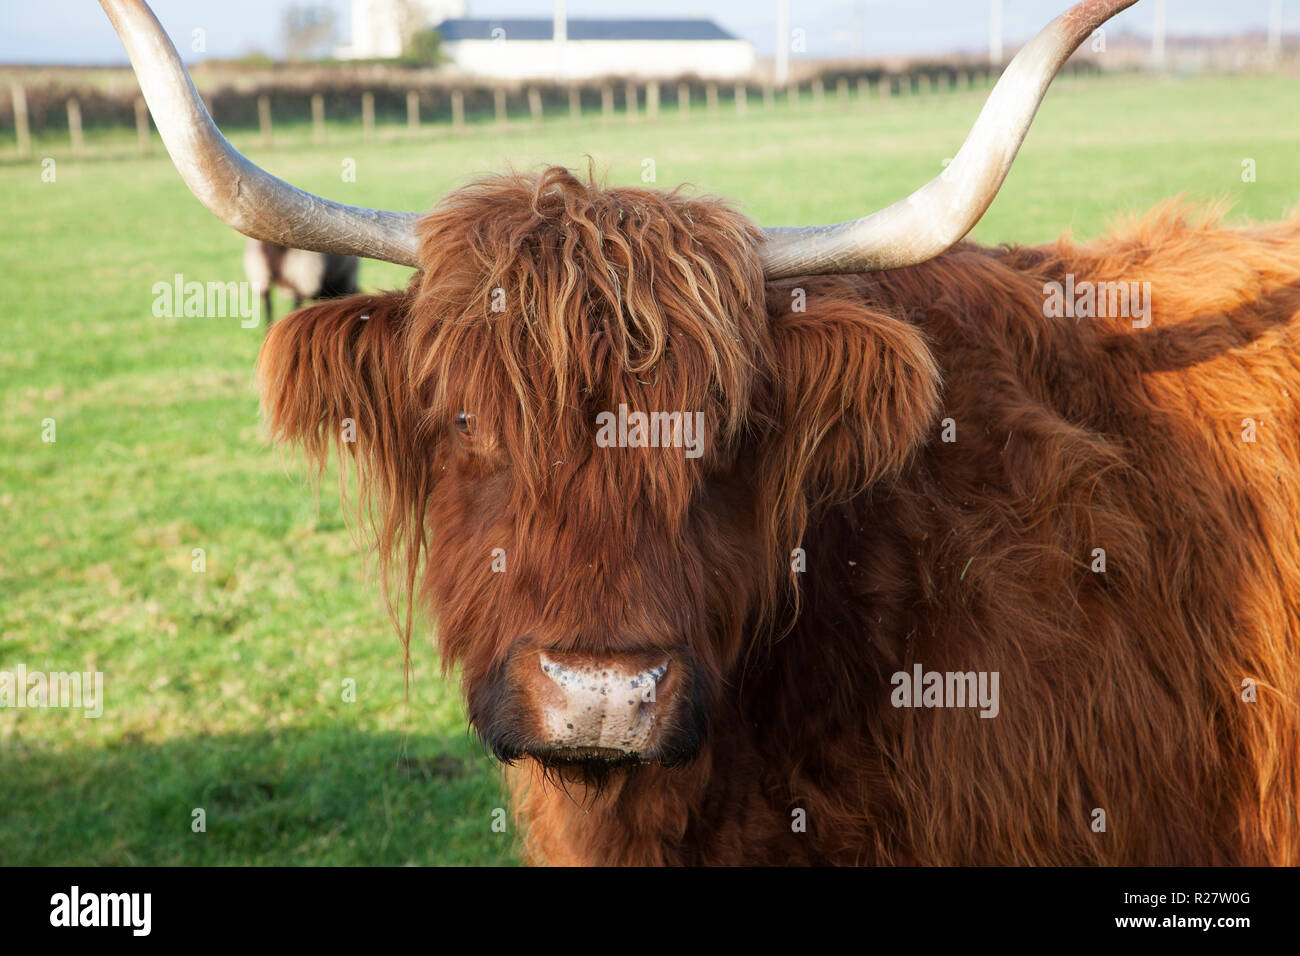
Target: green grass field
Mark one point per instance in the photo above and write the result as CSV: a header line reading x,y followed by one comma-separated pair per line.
x,y
224,689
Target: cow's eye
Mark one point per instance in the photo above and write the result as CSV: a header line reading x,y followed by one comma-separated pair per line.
x,y
463,423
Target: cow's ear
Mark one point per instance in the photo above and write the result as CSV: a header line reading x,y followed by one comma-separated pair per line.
x,y
852,394
335,373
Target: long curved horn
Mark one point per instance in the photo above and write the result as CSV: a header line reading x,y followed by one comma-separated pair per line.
x,y
239,193
942,211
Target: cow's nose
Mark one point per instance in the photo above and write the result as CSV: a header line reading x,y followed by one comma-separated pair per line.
x,y
594,705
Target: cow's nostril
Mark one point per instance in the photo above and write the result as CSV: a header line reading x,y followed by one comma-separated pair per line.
x,y
566,675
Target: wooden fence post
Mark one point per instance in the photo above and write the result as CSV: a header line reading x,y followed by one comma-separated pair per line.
x,y
318,119
367,116
630,102
535,105
499,105
74,128
264,118
711,98
413,112
575,104
842,92
819,93
458,111
652,100
22,128
683,99
142,125
742,99
606,103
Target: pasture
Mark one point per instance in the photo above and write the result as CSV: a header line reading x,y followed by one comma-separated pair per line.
x,y
224,689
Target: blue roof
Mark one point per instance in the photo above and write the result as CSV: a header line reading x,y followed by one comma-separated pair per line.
x,y
517,28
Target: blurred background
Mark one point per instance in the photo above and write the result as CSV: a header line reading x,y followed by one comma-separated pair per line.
x,y
251,667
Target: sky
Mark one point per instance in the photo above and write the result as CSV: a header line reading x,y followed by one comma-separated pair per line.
x,y
76,31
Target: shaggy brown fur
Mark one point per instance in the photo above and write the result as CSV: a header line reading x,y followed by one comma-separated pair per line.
x,y
1120,690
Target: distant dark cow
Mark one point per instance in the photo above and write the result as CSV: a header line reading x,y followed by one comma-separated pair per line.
x,y
845,544
307,275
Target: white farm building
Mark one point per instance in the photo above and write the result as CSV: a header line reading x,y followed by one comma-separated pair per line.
x,y
528,49
513,48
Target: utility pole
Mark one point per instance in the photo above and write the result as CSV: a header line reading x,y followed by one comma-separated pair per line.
x,y
560,35
1158,37
995,33
1275,32
782,43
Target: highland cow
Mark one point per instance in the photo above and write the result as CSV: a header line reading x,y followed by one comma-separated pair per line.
x,y
954,579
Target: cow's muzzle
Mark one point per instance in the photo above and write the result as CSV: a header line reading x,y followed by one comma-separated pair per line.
x,y
565,708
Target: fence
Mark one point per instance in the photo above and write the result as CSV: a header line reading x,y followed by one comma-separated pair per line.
x,y
459,109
